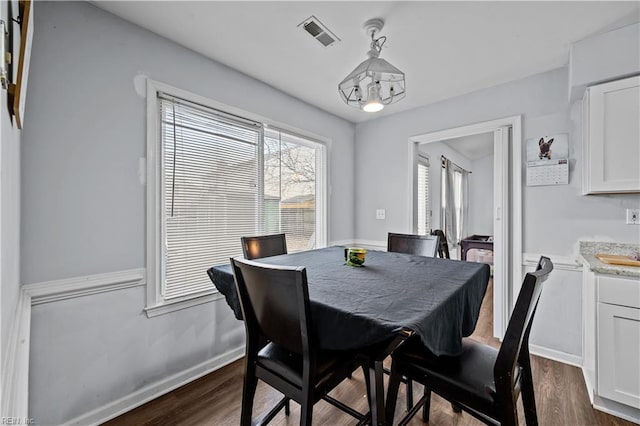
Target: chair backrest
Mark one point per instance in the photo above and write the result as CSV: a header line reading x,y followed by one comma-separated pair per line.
x,y
263,246
443,247
516,338
420,245
275,303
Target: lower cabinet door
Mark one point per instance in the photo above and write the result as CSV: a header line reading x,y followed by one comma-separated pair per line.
x,y
619,353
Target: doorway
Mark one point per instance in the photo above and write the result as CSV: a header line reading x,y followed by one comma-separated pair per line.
x,y
505,210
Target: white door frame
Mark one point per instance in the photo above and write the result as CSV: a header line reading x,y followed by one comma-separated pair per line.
x,y
507,201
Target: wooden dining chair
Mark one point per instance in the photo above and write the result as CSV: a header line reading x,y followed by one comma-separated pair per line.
x,y
443,247
276,309
483,381
420,245
263,246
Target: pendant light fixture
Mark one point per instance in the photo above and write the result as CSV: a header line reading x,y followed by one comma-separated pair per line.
x,y
375,82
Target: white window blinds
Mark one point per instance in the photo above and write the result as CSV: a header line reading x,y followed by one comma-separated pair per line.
x,y
424,208
224,177
212,185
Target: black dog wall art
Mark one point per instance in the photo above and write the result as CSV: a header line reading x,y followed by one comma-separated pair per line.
x,y
545,149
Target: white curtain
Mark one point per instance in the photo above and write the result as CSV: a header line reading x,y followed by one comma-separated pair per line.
x,y
455,202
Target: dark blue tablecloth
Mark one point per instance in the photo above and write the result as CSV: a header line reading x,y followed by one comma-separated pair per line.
x,y
354,307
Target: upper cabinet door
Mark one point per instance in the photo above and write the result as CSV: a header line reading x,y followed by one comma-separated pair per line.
x,y
611,137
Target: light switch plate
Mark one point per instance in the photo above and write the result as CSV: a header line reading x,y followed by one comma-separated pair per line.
x,y
633,216
381,214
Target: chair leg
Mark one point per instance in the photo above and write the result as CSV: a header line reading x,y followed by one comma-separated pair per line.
x,y
427,404
409,394
509,412
528,395
456,408
367,379
248,393
392,395
287,407
306,412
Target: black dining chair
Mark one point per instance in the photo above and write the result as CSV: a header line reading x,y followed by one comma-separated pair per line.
x,y
483,381
443,247
276,309
263,246
420,245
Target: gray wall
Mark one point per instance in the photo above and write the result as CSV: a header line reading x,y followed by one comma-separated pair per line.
x,y
84,207
554,217
9,206
481,196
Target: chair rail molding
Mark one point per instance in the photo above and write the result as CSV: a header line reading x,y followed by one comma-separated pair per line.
x,y
15,382
564,263
69,288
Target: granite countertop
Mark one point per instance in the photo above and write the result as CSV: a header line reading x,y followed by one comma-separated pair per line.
x,y
588,250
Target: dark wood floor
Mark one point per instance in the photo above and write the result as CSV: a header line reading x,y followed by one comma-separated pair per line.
x,y
215,399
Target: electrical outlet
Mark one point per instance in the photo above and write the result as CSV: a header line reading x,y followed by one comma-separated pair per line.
x,y
633,216
381,214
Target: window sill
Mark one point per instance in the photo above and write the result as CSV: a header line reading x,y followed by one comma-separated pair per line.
x,y
165,307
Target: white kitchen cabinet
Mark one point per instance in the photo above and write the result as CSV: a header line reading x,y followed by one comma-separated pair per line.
x,y
611,340
619,353
611,137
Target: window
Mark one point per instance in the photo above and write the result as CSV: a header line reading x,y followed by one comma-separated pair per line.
x,y
218,177
424,207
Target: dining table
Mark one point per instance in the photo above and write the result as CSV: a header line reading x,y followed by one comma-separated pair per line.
x,y
374,308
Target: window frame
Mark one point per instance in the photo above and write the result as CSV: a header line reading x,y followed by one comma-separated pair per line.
x,y
424,161
156,304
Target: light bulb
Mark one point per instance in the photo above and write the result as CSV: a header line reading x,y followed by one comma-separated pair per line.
x,y
374,103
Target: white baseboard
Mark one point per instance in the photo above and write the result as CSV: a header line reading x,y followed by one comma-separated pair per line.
x,y
554,355
154,390
15,380
614,408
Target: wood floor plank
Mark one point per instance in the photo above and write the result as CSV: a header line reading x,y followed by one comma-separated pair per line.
x,y
215,399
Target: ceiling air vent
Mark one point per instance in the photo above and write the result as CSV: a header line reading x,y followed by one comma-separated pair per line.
x,y
319,31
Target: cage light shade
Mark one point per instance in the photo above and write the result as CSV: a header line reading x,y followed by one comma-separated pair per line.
x,y
374,70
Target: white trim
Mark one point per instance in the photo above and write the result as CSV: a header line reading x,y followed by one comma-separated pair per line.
x,y
515,218
588,383
15,380
156,389
501,229
153,198
69,288
617,409
554,355
172,306
563,263
372,244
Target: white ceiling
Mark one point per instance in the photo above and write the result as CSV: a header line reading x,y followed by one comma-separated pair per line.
x,y
445,48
